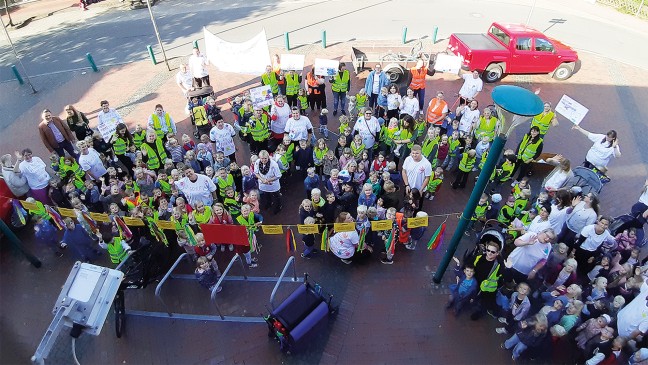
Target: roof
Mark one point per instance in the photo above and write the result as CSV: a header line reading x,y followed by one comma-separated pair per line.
x,y
519,29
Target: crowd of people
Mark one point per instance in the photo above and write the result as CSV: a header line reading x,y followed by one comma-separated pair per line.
x,y
559,280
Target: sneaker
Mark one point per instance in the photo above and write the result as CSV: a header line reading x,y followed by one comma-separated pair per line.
x,y
334,112
346,261
386,261
501,330
231,247
343,112
410,247
254,260
307,257
490,313
222,248
502,320
431,198
253,265
63,245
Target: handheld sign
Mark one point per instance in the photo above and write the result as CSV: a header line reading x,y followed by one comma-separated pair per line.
x,y
324,67
571,109
294,62
100,217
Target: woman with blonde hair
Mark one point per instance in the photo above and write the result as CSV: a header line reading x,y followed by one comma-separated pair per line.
x,y
78,122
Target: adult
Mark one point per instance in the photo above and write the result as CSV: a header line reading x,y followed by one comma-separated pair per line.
x,y
269,78
559,207
376,80
56,135
221,136
529,256
36,173
161,122
198,66
488,271
153,152
340,85
418,72
410,104
298,127
394,101
121,142
344,245
197,187
184,79
90,161
78,122
293,80
632,320
528,151
259,128
437,110
583,212
107,119
471,87
15,181
468,116
268,174
487,126
368,128
416,172
545,119
604,148
588,245
640,208
560,174
316,90
279,114
541,221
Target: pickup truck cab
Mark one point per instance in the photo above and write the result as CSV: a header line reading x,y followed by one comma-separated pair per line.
x,y
513,49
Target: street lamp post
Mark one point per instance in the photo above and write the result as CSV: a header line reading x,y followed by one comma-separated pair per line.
x,y
514,104
13,48
157,34
531,12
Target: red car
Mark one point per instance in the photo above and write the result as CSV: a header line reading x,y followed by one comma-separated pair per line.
x,y
513,49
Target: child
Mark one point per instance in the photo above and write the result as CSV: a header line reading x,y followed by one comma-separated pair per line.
x,y
221,216
627,239
236,173
434,184
323,121
381,211
430,145
190,160
319,155
344,124
519,306
223,180
334,184
442,151
379,163
466,163
507,212
302,101
330,162
362,220
351,107
221,161
231,202
464,289
531,336
367,198
252,222
187,143
345,158
204,156
481,150
590,329
249,180
483,206
416,233
394,174
202,214
117,247
303,157
279,157
348,199
357,147
341,146
206,275
176,151
82,244
308,240
361,101
381,102
374,181
91,197
311,181
46,232
454,143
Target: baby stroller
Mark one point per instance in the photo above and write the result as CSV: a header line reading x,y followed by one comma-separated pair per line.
x,y
588,180
300,318
197,112
627,221
493,231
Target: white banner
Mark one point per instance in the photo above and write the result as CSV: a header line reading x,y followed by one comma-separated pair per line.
x,y
325,67
249,57
571,109
261,96
294,62
447,63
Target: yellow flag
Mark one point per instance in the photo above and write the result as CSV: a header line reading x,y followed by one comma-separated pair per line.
x,y
166,225
417,222
133,221
308,228
29,206
65,212
344,227
383,225
272,229
100,217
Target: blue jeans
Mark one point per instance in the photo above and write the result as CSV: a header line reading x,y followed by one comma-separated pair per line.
x,y
339,98
66,146
420,94
517,346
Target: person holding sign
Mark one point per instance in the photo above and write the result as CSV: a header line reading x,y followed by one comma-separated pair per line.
x,y
269,78
316,90
417,85
345,244
107,118
604,148
340,85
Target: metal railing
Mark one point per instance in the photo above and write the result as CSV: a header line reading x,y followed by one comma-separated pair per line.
x,y
290,262
215,288
158,288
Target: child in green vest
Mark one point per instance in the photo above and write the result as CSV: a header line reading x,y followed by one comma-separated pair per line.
x,y
466,164
507,212
434,184
361,101
232,202
162,182
302,101
419,129
520,226
430,145
139,135
483,206
289,150
357,147
223,181
453,151
344,124
319,153
117,247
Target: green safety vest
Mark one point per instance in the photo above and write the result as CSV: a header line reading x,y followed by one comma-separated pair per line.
x,y
343,127
259,128
319,154
289,153
165,187
466,164
480,211
203,218
405,134
520,205
419,127
506,215
341,85
75,169
120,145
285,165
271,80
452,145
199,115
433,185
39,211
483,159
387,135
543,122
486,128
507,171
361,101
153,162
158,126
224,183
528,150
247,222
139,138
292,84
232,206
303,102
490,284
357,151
116,251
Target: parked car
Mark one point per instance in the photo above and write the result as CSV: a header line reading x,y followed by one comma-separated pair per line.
x,y
513,49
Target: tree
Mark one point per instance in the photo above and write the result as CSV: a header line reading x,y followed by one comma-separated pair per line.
x,y
6,2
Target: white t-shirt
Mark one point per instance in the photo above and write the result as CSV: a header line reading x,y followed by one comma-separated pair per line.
x,y
283,114
368,130
344,244
557,218
197,65
599,154
471,86
417,171
558,179
394,101
199,190
185,79
635,314
524,258
410,106
273,173
92,164
643,198
594,240
35,173
297,129
468,118
375,88
580,217
537,225
223,139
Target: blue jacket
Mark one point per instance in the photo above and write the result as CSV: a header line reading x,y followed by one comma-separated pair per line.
x,y
384,81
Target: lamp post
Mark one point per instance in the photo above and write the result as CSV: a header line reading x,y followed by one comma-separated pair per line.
x,y
516,105
531,12
13,48
157,34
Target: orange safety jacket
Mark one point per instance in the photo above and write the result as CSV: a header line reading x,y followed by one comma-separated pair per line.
x,y
418,78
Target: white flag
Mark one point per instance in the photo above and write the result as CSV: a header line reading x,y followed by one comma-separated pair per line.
x,y
249,57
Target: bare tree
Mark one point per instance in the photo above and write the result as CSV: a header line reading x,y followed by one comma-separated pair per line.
x,y
6,2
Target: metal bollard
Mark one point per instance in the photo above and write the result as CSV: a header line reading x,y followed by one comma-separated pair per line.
x,y
287,41
435,33
323,39
151,54
404,35
92,62
195,44
17,74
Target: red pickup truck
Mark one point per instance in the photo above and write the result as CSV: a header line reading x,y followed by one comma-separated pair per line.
x,y
513,49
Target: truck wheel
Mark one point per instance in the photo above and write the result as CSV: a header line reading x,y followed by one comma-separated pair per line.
x,y
395,72
563,72
493,73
